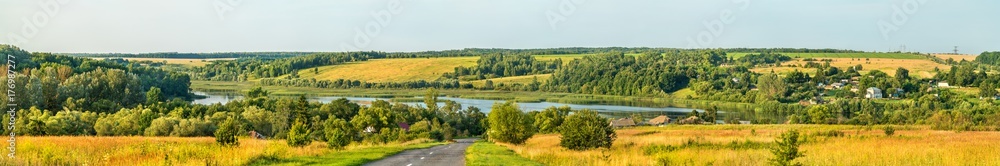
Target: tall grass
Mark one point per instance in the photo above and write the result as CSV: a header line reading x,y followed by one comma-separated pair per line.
x,y
748,145
85,150
486,153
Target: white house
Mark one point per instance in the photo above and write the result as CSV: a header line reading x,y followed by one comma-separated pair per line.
x,y
943,84
873,93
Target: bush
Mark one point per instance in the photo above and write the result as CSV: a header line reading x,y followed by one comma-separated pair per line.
x,y
787,149
226,134
507,123
585,130
339,133
162,126
299,134
193,128
889,130
549,120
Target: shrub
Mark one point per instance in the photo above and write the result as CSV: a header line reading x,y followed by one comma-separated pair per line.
x,y
299,134
507,123
549,120
786,150
339,133
585,130
226,134
162,126
889,130
193,127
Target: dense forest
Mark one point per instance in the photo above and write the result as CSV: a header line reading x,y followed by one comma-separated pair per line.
x,y
266,55
501,65
54,81
991,58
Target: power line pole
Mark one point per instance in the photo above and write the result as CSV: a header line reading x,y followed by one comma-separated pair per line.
x,y
956,50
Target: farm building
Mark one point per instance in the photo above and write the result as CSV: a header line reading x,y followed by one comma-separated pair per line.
x,y
943,84
659,120
873,93
623,122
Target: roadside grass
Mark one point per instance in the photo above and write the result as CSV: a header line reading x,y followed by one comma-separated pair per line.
x,y
483,153
921,68
90,150
748,145
354,155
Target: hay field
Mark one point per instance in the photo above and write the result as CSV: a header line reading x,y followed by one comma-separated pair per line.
x,y
407,69
959,57
748,145
390,70
840,55
186,62
918,67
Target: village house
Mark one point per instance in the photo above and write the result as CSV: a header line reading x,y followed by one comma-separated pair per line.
x,y
873,93
623,122
943,84
659,120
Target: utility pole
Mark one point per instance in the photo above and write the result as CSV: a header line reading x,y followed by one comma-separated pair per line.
x,y
956,50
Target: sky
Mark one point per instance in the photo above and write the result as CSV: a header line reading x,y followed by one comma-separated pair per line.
x,y
138,26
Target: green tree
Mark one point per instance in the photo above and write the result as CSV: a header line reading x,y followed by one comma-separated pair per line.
x,y
820,114
430,99
226,134
509,124
771,86
987,90
153,96
711,114
585,130
786,149
299,134
549,120
338,132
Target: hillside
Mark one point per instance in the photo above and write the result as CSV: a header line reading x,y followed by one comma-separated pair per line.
x,y
409,69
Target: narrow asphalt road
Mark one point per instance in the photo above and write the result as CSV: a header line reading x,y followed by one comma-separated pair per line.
x,y
450,154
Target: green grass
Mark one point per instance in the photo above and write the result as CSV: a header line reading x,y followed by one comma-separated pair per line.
x,y
514,79
486,153
842,55
347,157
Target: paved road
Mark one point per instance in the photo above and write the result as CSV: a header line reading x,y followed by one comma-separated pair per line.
x,y
450,154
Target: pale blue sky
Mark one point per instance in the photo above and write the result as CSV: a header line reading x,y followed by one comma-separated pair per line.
x,y
325,25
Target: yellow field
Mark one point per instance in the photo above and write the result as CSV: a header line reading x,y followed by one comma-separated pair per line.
x,y
84,150
389,70
918,67
911,145
515,79
187,62
959,57
405,69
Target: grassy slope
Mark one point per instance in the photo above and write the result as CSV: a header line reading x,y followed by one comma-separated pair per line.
x,y
178,61
484,153
390,70
911,145
350,156
403,69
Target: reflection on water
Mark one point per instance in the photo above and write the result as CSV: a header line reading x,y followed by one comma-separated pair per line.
x,y
484,105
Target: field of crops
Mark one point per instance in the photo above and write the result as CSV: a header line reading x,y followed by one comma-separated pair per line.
x,y
959,57
515,79
185,62
405,69
922,68
748,145
842,55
